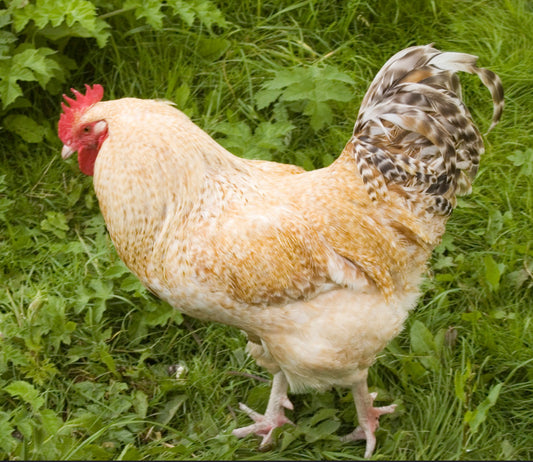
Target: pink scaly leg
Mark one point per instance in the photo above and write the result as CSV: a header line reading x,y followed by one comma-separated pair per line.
x,y
274,416
368,416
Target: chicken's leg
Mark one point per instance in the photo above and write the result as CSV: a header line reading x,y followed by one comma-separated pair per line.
x,y
274,416
368,416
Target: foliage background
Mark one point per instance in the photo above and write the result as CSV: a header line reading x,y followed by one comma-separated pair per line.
x,y
93,367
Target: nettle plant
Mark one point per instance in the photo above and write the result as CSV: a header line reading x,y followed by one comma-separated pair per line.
x,y
35,38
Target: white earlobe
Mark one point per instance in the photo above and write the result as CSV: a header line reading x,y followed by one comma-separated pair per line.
x,y
99,127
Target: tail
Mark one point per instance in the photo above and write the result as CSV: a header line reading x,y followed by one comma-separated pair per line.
x,y
415,135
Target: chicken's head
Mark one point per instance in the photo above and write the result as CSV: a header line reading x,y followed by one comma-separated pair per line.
x,y
86,137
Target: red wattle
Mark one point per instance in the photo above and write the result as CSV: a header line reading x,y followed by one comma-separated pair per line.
x,y
87,156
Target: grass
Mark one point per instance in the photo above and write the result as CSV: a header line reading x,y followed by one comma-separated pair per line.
x,y
89,360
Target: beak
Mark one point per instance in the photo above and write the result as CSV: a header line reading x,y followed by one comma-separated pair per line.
x,y
66,152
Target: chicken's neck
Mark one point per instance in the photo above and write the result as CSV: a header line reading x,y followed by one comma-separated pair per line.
x,y
153,196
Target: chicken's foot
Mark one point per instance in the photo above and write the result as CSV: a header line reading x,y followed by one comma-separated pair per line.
x,y
368,416
274,415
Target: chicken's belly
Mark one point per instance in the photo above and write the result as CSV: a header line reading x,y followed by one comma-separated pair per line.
x,y
329,340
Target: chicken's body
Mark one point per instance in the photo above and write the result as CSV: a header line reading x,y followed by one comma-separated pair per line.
x,y
319,268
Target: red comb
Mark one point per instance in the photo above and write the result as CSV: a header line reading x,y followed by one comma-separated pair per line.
x,y
76,107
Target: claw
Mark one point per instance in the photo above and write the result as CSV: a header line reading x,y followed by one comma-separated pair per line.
x,y
368,417
274,417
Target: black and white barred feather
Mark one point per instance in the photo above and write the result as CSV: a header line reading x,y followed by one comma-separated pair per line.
x,y
414,130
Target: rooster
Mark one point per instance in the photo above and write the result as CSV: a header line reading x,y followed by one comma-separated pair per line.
x,y
320,269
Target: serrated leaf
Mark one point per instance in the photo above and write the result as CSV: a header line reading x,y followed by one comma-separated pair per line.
x,y
60,18
5,18
320,113
6,37
82,12
26,392
56,222
301,90
9,76
150,10
208,13
265,97
326,90
29,64
332,73
314,86
287,77
184,11
37,60
103,290
7,442
268,137
203,10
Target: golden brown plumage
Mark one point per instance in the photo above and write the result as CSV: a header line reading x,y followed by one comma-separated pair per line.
x,y
319,268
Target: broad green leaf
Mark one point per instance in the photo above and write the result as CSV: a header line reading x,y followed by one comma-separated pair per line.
x,y
170,408
10,74
116,271
422,341
322,430
212,48
460,380
140,403
475,418
51,422
523,159
471,316
493,272
494,225
29,130
26,392
322,414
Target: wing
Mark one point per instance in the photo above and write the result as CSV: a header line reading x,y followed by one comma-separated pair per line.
x,y
270,256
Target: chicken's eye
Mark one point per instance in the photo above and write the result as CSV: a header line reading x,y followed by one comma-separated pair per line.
x,y
86,129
